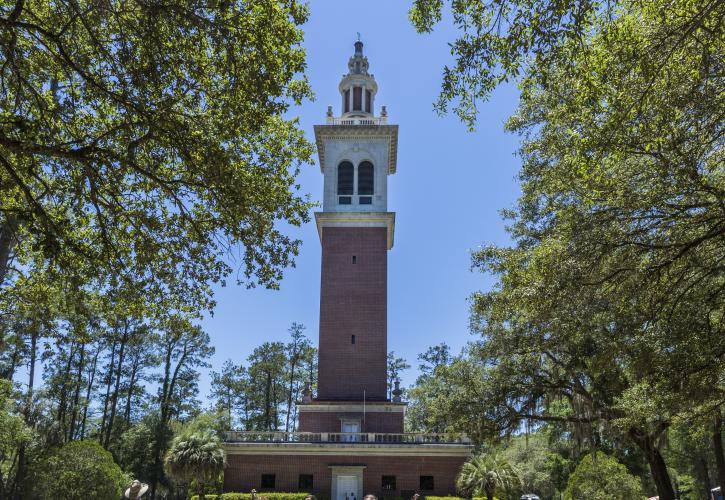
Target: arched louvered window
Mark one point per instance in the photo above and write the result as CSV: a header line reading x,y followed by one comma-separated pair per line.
x,y
345,178
365,178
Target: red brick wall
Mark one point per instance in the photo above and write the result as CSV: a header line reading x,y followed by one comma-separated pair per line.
x,y
244,472
330,422
353,301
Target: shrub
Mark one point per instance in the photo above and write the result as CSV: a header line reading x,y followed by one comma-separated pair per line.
x,y
196,459
248,496
77,471
426,497
602,479
486,475
301,496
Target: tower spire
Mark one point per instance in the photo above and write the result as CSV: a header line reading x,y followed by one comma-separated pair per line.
x,y
358,86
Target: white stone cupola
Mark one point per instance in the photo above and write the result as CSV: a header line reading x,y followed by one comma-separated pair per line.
x,y
358,87
357,150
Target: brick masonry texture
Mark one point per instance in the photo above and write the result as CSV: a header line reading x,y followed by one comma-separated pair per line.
x,y
353,301
330,422
244,472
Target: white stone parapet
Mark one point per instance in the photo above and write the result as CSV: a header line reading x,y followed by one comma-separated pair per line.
x,y
344,437
375,120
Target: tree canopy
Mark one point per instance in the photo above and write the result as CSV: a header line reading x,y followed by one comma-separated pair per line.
x,y
146,153
608,308
149,140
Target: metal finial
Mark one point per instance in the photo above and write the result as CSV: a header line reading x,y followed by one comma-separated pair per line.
x,y
358,36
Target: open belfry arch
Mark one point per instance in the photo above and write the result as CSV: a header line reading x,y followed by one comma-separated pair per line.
x,y
351,439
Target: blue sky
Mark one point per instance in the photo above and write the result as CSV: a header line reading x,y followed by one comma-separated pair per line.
x,y
447,192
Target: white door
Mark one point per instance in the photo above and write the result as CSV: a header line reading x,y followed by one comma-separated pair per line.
x,y
350,428
347,488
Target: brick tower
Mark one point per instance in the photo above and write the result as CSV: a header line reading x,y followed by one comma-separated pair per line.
x,y
357,153
350,438
356,231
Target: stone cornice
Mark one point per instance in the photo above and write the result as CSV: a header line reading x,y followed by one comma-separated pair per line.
x,y
352,132
357,219
352,408
346,449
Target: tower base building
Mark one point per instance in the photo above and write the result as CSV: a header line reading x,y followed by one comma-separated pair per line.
x,y
351,439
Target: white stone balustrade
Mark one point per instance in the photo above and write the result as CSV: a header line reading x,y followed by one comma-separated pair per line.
x,y
343,437
379,120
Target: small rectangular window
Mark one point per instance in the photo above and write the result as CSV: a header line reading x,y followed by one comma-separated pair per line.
x,y
352,339
388,483
305,483
268,481
368,98
345,200
366,200
354,259
346,104
427,483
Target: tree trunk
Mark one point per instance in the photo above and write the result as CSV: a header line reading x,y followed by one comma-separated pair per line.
x,y
703,476
168,387
8,231
268,403
9,372
157,448
89,389
660,475
656,462
117,386
131,388
64,386
109,382
77,394
18,487
717,446
291,387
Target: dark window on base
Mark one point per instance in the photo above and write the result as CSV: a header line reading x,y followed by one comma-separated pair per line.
x,y
366,200
388,483
426,483
352,339
268,481
305,483
354,259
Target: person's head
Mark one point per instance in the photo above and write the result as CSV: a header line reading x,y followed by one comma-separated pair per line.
x,y
370,497
310,497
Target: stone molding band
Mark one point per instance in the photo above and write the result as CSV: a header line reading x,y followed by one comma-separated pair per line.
x,y
357,219
344,449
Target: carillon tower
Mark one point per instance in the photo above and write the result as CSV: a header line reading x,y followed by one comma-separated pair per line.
x,y
350,437
357,153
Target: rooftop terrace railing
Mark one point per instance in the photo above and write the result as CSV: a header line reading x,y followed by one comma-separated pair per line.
x,y
343,437
382,120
